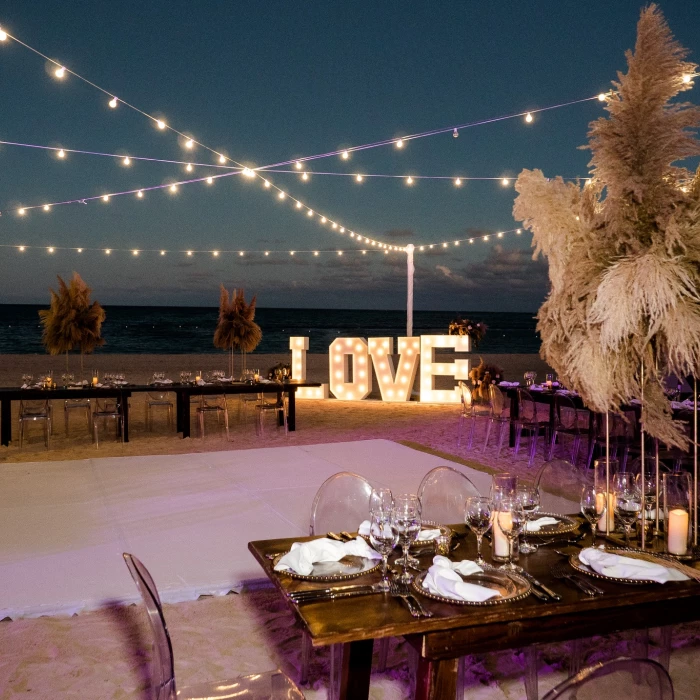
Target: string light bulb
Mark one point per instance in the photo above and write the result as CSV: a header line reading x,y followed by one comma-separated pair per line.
x,y
687,78
189,144
267,252
399,143
334,225
189,253
162,252
315,252
281,195
248,172
344,155
161,124
601,97
455,133
127,161
323,219
61,154
173,188
139,194
79,250
46,207
134,252
359,178
215,253
108,251
22,211
51,250
297,165
222,159
210,180
409,180
267,184
305,176
310,212
113,103
298,205
505,182
240,253
105,198
60,72
528,118
3,35
21,249
458,182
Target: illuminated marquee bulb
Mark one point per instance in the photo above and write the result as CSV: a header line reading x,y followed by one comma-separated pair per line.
x,y
161,124
60,72
61,154
399,143
189,167
345,155
113,103
189,144
127,161
359,178
458,182
528,118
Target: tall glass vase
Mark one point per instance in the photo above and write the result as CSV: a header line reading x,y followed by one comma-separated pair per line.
x,y
677,489
504,487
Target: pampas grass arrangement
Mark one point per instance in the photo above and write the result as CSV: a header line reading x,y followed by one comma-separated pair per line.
x,y
623,310
236,329
72,321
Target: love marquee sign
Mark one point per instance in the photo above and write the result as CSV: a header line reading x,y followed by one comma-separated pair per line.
x,y
351,361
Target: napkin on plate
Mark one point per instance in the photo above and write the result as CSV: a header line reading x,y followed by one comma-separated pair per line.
x,y
266,381
162,381
616,566
536,387
443,579
509,384
364,528
303,556
536,525
428,535
201,382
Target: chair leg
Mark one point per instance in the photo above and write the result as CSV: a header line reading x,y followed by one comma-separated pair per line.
x,y
95,436
383,650
531,690
533,445
66,420
518,436
501,435
226,421
460,423
576,657
201,424
461,675
472,429
336,651
488,434
21,433
306,651
665,643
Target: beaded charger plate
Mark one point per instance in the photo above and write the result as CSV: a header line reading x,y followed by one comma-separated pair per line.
x,y
510,588
564,525
347,568
419,545
632,553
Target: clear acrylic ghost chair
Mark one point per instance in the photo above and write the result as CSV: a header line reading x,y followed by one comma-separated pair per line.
x,y
442,494
498,417
32,412
81,404
279,409
559,483
341,503
107,409
273,684
530,421
566,423
639,678
158,398
469,410
212,404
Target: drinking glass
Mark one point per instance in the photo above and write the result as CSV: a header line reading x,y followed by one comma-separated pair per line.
x,y
510,519
593,507
384,536
530,377
529,498
478,512
628,501
27,379
380,500
408,520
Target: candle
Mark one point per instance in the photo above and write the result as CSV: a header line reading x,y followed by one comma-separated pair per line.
x,y
501,546
677,531
600,504
198,377
94,381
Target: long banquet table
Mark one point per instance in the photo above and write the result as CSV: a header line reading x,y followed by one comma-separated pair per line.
x,y
183,392
457,630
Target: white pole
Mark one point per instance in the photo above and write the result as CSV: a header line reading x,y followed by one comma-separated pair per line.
x,y
409,289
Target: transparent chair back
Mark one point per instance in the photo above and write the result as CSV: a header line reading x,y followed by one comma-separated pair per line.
x,y
641,679
442,493
560,484
341,503
498,401
465,394
107,406
163,666
565,413
34,407
527,407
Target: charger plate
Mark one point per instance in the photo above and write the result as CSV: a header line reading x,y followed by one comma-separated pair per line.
x,y
510,586
565,525
347,568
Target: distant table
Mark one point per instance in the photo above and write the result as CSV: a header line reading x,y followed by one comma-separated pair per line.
x,y
183,392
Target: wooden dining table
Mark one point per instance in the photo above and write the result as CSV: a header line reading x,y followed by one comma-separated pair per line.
x,y
457,630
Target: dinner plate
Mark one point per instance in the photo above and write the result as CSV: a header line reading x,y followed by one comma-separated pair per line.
x,y
632,553
510,587
347,568
565,525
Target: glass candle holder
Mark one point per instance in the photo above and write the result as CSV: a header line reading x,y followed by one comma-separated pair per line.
x,y
442,544
503,488
676,495
600,483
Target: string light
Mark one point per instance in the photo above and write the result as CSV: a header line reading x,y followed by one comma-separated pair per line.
x,y
299,205
267,184
505,182
189,144
601,97
305,176
345,155
61,154
215,253
309,213
105,198
127,161
297,165
162,252
409,180
60,72
281,195
161,124
50,250
20,248
3,35
189,253
359,178
458,182
22,211
113,103
455,133
135,252
139,194
189,167
248,172
173,188
399,143
108,251
528,118
210,180
79,250
46,207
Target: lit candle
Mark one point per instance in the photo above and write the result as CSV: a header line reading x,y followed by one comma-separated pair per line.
x,y
677,531
198,377
501,547
600,504
94,381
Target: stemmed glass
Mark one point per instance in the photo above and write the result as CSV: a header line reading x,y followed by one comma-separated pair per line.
x,y
529,498
628,501
530,377
383,529
478,513
27,379
380,499
510,519
593,507
408,520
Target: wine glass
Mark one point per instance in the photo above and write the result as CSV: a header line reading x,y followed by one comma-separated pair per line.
x,y
510,519
593,507
380,500
529,498
384,536
628,501
408,520
478,511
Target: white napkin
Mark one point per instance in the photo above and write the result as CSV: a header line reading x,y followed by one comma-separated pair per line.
x,y
428,535
266,381
616,566
201,382
443,579
535,387
364,528
163,381
303,556
567,392
226,379
509,384
536,525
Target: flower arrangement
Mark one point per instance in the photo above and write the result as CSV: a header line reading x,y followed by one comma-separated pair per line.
x,y
482,375
464,326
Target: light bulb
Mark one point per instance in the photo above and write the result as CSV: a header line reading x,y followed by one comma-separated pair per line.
x,y
51,250
342,229
386,252
409,180
505,182
21,249
113,103
189,168
291,252
267,184
80,250
60,72
189,144
334,225
105,198
471,240
399,143
345,155
588,181
444,245
127,161
455,133
281,195
108,251
323,219
309,213
601,97
486,238
340,252
297,165
61,154
134,252
687,78
240,253
431,246
173,188
315,252
22,211
421,248
518,231
139,194
499,234
189,253
359,178
528,118
305,176
456,242
364,252
162,252
458,182
161,124
267,252
215,253
298,205
46,207
222,159
210,180
248,172
3,35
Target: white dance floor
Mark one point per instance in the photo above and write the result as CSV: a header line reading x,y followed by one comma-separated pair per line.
x,y
64,525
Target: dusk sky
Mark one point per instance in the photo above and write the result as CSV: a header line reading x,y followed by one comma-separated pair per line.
x,y
265,82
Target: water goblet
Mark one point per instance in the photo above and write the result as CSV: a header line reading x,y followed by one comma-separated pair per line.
x,y
478,512
384,536
380,500
593,507
510,520
529,498
408,521
628,501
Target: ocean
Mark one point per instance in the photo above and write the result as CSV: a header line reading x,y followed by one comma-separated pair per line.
x,y
180,330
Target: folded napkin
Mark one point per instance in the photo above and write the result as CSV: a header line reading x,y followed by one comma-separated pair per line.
x,y
616,566
83,383
567,392
266,381
536,387
162,381
536,525
201,382
443,579
509,384
428,535
303,556
364,528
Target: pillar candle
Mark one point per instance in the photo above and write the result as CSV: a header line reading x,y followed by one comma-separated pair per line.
x,y
599,501
94,381
677,531
501,546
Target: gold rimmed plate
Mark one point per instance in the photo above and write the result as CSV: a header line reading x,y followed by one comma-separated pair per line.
x,y
510,587
347,568
663,560
423,544
565,524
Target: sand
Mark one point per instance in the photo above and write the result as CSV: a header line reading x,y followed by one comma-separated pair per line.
x,y
102,654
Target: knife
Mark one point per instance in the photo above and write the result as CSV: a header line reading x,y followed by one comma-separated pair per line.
x,y
335,592
539,584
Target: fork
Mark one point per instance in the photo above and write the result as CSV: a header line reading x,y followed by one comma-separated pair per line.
x,y
559,571
397,593
405,590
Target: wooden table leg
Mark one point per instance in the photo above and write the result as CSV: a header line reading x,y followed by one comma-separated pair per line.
x,y
178,411
292,410
5,422
125,414
514,413
355,670
185,414
436,680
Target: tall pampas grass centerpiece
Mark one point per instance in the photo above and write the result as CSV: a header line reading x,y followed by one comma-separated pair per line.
x,y
236,328
623,309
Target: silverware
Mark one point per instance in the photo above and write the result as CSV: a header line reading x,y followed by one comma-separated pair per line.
x,y
333,592
573,543
548,591
561,572
403,587
348,537
396,592
333,536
